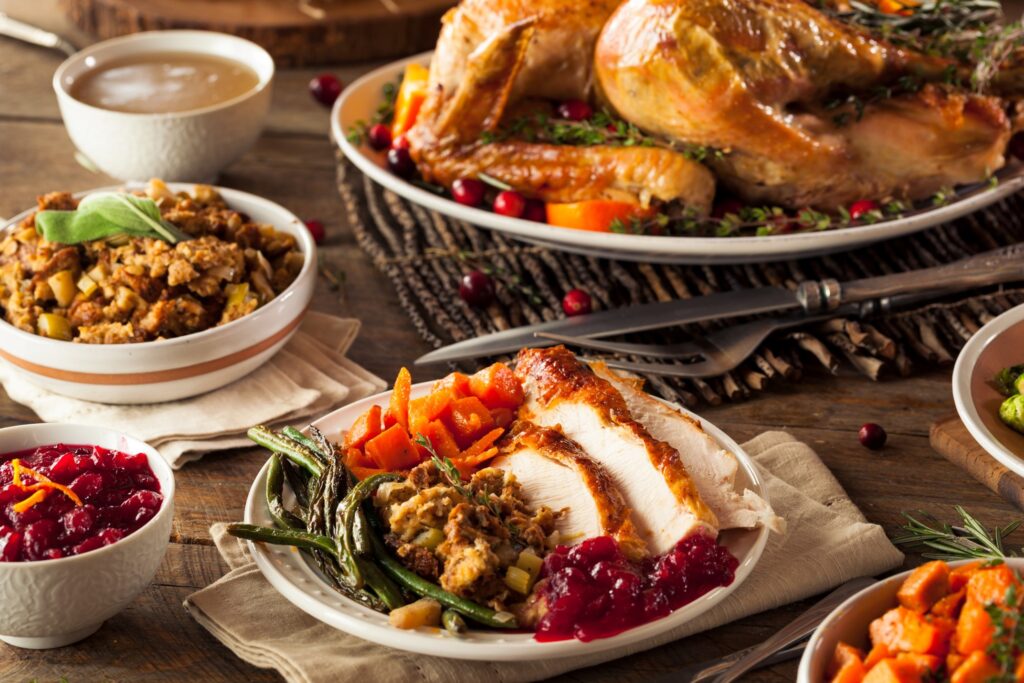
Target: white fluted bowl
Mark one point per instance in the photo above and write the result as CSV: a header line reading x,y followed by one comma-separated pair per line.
x,y
189,145
171,369
51,603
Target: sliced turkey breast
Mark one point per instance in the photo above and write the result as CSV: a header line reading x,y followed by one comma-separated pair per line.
x,y
712,467
554,471
564,394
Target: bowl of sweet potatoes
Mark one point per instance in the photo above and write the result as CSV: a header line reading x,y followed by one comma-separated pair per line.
x,y
956,621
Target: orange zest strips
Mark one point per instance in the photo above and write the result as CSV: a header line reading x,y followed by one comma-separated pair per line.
x,y
40,489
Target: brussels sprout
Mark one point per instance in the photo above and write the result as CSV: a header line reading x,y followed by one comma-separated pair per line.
x,y
1010,380
1012,412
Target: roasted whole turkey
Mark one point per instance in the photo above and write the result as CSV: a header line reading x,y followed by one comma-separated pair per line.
x,y
754,81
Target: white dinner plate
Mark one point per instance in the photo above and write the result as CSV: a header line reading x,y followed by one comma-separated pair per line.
x,y
997,345
360,100
295,576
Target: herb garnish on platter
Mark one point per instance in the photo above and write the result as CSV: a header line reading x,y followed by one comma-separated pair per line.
x,y
106,215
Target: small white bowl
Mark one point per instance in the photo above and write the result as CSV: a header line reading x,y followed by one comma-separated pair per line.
x,y
190,145
849,623
999,344
172,369
51,603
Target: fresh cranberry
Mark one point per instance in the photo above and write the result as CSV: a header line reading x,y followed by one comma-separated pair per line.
x,y
576,302
477,289
536,211
53,554
400,162
91,543
11,493
468,191
872,436
135,462
110,536
509,203
316,229
862,207
325,88
379,136
67,467
401,142
140,507
575,110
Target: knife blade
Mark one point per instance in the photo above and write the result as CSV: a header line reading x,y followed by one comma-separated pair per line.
x,y
622,321
992,267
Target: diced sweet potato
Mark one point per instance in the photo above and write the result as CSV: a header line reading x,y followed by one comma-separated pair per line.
x,y
469,420
456,385
497,387
436,405
398,408
363,429
392,450
950,605
361,473
903,668
973,629
903,630
925,586
441,439
977,668
423,612
991,585
877,653
843,655
953,660
959,576
354,457
851,672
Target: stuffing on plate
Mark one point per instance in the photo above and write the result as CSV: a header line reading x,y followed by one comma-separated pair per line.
x,y
125,289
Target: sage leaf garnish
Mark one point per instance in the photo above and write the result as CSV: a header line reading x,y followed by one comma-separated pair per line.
x,y
104,215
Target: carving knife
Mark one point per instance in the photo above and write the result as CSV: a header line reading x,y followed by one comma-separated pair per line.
x,y
812,297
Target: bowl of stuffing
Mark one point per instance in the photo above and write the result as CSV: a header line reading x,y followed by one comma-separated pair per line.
x,y
85,519
150,293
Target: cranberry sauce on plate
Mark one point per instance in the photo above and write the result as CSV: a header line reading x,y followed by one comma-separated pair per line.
x,y
62,500
593,591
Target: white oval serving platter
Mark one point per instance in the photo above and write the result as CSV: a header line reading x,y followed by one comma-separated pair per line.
x,y
360,100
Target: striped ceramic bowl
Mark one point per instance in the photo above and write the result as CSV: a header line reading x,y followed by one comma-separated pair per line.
x,y
170,369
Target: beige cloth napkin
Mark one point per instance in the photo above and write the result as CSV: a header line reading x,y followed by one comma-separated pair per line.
x,y
827,542
308,377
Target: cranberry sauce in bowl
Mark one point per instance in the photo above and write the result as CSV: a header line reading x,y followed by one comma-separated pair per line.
x,y
61,500
593,591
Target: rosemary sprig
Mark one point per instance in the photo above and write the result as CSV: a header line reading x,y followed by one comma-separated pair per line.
x,y
970,540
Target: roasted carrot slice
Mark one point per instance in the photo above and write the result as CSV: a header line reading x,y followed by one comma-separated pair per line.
x,y
363,429
391,450
398,408
469,420
364,472
441,439
497,387
925,586
977,668
482,444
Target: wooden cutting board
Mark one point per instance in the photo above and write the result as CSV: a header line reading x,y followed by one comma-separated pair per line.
x,y
347,31
950,437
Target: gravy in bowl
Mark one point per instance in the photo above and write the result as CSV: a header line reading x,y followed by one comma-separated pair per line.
x,y
164,82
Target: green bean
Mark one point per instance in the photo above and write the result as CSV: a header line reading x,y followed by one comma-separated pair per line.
x,y
277,443
453,622
382,585
298,539
298,481
303,440
347,512
361,535
307,541
283,518
420,586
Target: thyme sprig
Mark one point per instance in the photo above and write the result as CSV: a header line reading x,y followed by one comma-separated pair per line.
x,y
1007,637
450,473
969,540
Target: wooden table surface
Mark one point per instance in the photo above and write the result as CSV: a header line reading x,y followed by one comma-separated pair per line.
x,y
154,639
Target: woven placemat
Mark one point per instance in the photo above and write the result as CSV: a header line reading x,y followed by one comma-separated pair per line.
x,y
424,254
